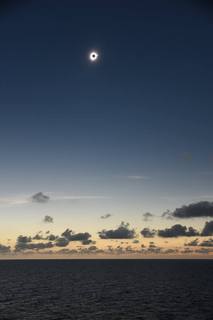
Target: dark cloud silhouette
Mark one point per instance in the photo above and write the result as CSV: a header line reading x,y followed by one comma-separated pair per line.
x,y
25,243
186,251
106,216
39,246
135,241
38,236
122,232
67,251
204,250
40,198
23,239
193,243
170,251
178,230
147,233
71,236
87,242
147,216
48,219
167,214
207,243
4,249
92,248
208,229
194,210
51,237
61,242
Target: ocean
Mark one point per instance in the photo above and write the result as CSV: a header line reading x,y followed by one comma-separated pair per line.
x,y
106,289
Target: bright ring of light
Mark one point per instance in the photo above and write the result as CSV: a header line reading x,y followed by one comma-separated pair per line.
x,y
93,56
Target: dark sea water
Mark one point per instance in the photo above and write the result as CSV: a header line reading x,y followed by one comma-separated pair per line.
x,y
106,289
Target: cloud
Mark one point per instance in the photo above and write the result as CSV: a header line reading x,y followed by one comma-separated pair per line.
x,y
204,250
135,241
38,236
92,248
207,243
194,210
122,232
13,201
208,229
147,233
25,243
61,242
4,249
187,251
138,177
79,197
106,216
48,219
178,230
39,246
167,214
40,198
193,243
24,239
71,236
52,237
147,216
87,242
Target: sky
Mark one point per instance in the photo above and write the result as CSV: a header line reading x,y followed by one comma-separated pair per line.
x,y
92,144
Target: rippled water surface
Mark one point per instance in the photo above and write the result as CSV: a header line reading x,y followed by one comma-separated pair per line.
x,y
106,289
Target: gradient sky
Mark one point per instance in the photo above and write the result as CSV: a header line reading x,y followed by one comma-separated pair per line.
x,y
129,134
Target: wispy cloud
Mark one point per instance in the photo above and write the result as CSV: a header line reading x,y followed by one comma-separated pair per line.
x,y
12,201
80,197
29,199
138,177
106,216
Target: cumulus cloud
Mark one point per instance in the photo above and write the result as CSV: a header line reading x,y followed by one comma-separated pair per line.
x,y
48,219
178,230
51,237
147,233
87,242
92,248
193,243
208,229
61,242
194,210
147,216
4,249
24,239
203,250
122,232
167,214
71,236
106,216
207,243
135,241
39,246
25,243
38,236
40,198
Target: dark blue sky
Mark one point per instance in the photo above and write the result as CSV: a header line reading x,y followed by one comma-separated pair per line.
x,y
144,109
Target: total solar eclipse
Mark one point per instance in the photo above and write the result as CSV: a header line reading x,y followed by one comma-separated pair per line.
x,y
93,56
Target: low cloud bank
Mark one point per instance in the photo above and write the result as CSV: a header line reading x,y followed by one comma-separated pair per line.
x,y
194,210
122,232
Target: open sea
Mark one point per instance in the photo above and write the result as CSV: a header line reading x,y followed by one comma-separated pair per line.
x,y
106,289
